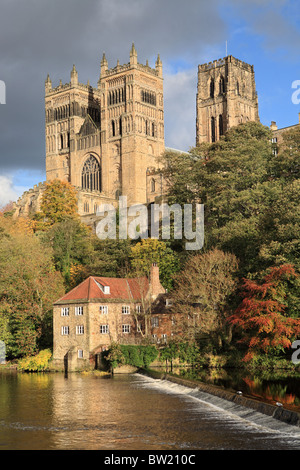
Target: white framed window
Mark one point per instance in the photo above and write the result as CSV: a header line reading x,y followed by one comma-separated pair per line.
x,y
103,309
138,309
169,302
125,328
65,311
106,290
126,309
104,329
164,338
80,353
79,329
65,330
139,326
154,322
79,310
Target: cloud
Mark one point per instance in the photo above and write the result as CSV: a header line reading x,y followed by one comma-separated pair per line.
x,y
38,37
8,192
275,21
180,100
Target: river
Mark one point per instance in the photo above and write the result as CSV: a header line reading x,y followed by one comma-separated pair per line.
x,y
126,412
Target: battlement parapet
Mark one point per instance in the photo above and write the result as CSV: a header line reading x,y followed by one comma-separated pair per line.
x,y
226,60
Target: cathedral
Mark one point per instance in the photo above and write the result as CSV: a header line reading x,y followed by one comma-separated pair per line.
x,y
226,97
106,141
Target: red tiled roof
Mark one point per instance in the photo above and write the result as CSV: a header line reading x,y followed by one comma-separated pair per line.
x,y
120,288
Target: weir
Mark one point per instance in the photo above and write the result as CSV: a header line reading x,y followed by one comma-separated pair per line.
x,y
264,414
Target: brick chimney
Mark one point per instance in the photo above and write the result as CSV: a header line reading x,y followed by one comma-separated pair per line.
x,y
155,286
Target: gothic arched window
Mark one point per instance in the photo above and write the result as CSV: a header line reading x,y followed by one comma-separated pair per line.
x,y
91,174
221,125
213,129
152,185
212,88
221,85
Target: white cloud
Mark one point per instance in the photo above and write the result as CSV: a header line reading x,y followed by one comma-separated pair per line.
x,y
180,101
8,191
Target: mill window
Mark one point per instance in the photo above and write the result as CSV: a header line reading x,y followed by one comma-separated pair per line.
x,y
125,328
103,309
104,329
79,310
65,311
64,330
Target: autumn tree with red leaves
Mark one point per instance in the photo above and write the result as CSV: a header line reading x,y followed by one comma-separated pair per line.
x,y
262,315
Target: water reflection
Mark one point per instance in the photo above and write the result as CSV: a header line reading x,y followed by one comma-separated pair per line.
x,y
266,386
126,412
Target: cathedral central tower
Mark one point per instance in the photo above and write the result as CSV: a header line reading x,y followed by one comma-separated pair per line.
x,y
226,96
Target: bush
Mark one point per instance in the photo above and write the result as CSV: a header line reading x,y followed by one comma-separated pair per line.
x,y
36,363
216,361
187,353
137,356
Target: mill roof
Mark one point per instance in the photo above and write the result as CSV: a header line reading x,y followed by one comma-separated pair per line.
x,y
93,288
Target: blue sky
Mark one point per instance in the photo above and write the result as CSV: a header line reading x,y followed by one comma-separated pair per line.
x,y
47,36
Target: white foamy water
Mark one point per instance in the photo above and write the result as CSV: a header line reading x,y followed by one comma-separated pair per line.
x,y
226,413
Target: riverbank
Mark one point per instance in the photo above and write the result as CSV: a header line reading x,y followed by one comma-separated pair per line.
x,y
277,412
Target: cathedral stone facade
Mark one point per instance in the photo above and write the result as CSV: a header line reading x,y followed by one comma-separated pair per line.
x,y
106,140
226,97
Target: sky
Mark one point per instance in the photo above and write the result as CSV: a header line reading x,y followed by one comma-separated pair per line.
x,y
38,37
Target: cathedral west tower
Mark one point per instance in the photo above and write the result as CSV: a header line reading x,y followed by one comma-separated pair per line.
x,y
105,140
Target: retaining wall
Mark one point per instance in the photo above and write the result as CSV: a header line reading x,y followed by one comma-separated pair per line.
x,y
276,412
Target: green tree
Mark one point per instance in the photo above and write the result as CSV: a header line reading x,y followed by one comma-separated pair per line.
x,y
287,163
250,196
111,257
72,244
149,251
29,285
